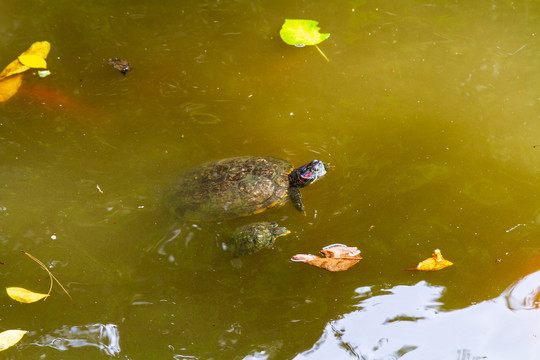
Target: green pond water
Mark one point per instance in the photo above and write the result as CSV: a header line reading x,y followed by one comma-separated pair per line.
x,y
428,112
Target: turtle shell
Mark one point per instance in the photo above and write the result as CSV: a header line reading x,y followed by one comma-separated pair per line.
x,y
253,237
232,187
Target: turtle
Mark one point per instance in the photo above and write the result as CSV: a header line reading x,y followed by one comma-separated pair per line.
x,y
253,237
241,186
120,64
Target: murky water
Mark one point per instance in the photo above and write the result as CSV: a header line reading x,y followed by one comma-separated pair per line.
x,y
428,113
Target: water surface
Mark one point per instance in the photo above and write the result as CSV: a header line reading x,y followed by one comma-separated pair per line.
x,y
427,111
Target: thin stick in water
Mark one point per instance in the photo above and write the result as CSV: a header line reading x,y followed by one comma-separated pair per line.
x,y
324,56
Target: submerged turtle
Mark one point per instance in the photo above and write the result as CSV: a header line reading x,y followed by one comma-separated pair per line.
x,y
120,64
253,237
241,186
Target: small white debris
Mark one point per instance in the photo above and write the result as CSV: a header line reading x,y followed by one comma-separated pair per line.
x,y
513,228
43,73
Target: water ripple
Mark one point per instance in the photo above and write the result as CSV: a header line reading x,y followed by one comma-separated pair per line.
x,y
524,294
104,337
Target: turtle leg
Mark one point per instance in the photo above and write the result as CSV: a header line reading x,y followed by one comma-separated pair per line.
x,y
296,198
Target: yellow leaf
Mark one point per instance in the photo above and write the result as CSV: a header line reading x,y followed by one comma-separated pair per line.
x,y
14,67
40,49
435,262
33,61
9,86
23,295
9,338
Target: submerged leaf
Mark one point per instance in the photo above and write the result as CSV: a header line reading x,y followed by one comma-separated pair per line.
x,y
299,32
23,295
33,61
9,86
9,338
435,262
338,257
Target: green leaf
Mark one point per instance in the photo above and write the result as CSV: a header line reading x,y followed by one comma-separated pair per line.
x,y
301,32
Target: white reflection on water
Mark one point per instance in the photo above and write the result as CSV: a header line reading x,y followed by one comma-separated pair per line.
x,y
104,337
407,323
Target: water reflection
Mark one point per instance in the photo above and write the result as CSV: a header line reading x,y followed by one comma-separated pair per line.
x,y
524,295
102,336
407,322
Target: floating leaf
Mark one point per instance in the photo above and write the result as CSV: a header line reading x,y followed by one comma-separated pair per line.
x,y
33,57
337,257
435,262
9,338
15,67
40,49
9,86
300,32
33,61
23,295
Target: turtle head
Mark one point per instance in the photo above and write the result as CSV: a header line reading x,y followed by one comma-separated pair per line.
x,y
307,174
279,230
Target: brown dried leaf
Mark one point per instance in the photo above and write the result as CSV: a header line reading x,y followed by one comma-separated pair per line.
x,y
337,258
435,262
